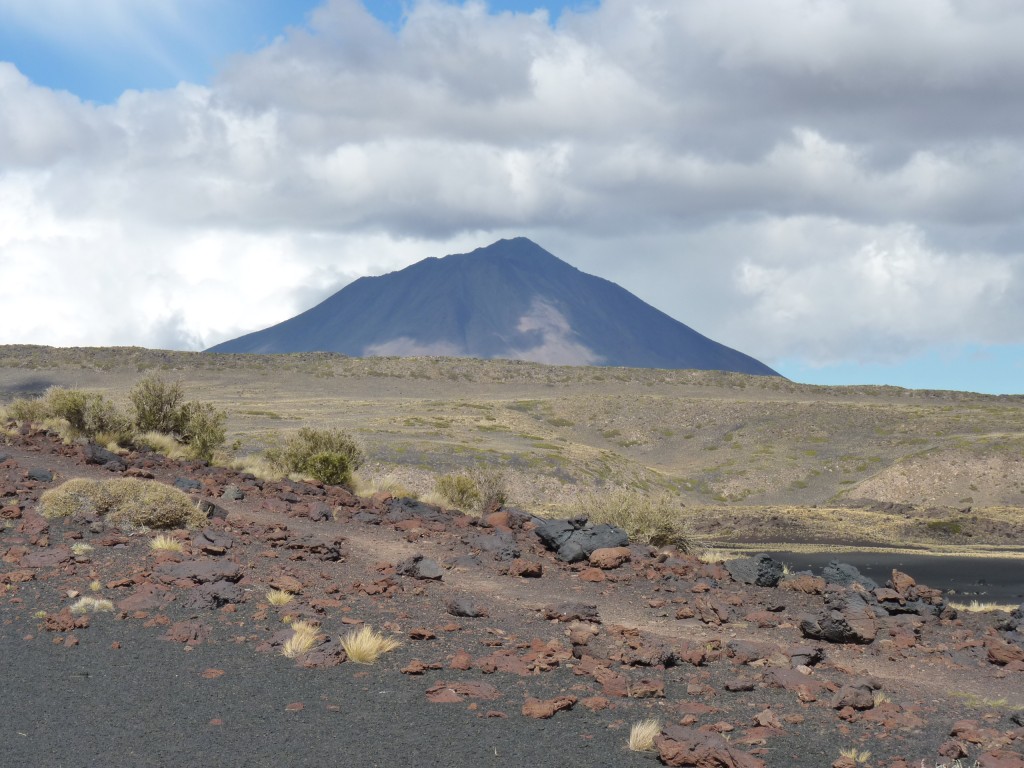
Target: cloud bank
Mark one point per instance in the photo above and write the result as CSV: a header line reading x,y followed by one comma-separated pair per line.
x,y
830,182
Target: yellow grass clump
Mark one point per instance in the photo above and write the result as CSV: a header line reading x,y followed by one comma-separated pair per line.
x,y
642,735
91,605
365,646
161,443
126,502
979,607
858,757
279,597
165,543
305,639
80,549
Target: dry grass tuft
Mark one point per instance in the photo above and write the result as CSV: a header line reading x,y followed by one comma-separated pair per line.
x,y
95,585
365,646
858,757
257,465
388,483
165,543
128,502
712,556
162,444
642,735
279,597
81,549
978,607
91,605
305,639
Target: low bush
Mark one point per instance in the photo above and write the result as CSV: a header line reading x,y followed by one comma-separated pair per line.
x,y
476,491
200,427
458,490
655,520
157,405
76,413
128,503
328,455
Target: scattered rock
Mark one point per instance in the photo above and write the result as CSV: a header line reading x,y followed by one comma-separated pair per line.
x,y
760,570
573,540
525,569
420,567
465,607
845,619
844,574
682,746
572,612
543,709
608,558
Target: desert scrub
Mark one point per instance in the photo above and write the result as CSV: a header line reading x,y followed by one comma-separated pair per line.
x,y
201,429
157,404
125,502
327,455
159,408
458,490
647,519
476,491
76,413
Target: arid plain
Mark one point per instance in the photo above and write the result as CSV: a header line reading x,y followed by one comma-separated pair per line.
x,y
754,461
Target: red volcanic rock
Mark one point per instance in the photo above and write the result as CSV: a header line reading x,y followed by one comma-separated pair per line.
x,y
901,582
456,692
525,569
805,583
1003,653
609,557
689,747
543,709
1001,758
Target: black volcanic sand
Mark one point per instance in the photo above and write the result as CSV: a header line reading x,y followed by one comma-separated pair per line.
x,y
988,579
148,704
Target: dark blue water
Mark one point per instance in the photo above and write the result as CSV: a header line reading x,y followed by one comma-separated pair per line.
x,y
995,579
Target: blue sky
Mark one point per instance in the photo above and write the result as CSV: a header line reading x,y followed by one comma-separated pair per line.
x,y
833,188
108,48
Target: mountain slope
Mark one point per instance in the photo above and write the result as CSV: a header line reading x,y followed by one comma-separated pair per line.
x,y
512,300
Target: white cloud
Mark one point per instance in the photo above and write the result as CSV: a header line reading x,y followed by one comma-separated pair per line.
x,y
831,180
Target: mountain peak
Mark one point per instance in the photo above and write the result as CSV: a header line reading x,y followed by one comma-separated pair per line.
x,y
510,299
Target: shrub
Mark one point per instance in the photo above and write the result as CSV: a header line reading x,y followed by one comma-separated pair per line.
x,y
126,502
81,414
201,428
491,486
156,404
27,409
330,456
458,490
647,519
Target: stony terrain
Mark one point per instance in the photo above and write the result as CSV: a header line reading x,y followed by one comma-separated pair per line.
x,y
521,643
